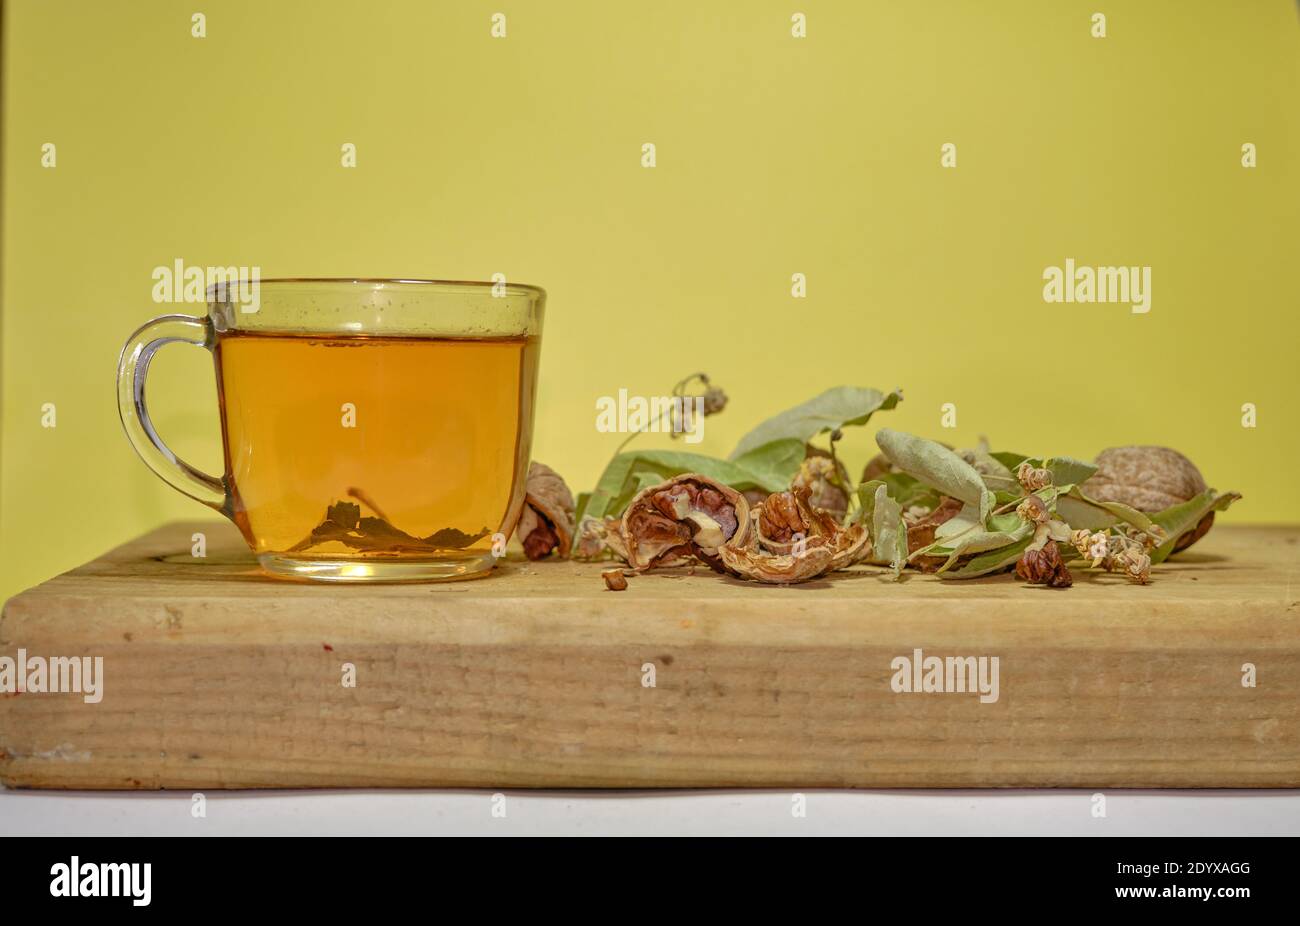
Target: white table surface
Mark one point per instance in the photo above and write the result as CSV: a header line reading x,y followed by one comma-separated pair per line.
x,y
882,813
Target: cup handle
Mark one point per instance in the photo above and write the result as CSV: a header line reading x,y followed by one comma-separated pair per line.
x,y
132,368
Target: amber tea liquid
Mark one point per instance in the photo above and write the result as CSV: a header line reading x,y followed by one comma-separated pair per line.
x,y
422,437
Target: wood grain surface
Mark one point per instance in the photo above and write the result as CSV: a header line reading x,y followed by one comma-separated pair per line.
x,y
216,676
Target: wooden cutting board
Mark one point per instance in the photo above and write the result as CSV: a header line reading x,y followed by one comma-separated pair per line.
x,y
218,677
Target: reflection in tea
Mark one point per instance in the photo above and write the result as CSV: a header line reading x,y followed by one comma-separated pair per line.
x,y
375,447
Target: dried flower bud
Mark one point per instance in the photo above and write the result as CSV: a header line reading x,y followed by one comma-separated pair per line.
x,y
688,406
1034,510
1044,567
615,581
1033,479
546,522
598,537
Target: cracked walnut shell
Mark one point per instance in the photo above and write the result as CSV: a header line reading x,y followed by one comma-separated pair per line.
x,y
785,517
825,479
689,515
792,541
546,523
752,562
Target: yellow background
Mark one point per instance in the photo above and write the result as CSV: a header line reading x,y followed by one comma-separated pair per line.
x,y
775,156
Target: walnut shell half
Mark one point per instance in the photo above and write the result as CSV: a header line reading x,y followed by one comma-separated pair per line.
x,y
793,541
546,523
750,561
786,518
689,515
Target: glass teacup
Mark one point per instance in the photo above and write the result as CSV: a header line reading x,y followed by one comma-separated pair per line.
x,y
372,429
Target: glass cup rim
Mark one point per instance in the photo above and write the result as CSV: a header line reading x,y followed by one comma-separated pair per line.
x,y
380,282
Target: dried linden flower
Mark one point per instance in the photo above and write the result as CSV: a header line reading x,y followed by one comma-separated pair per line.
x,y
1136,563
1097,548
1033,479
1034,510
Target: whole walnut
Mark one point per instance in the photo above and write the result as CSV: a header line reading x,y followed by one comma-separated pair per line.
x,y
1149,479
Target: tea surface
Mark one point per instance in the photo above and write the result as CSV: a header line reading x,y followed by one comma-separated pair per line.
x,y
375,446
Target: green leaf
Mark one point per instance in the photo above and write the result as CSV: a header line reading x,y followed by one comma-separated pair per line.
x,y
965,520
996,474
774,463
883,517
1084,513
936,466
994,561
1066,471
973,538
1002,498
985,541
909,491
1081,515
1179,519
834,408
1006,523
1011,461
1069,471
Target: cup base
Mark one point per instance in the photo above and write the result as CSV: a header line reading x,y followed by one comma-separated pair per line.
x,y
326,569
